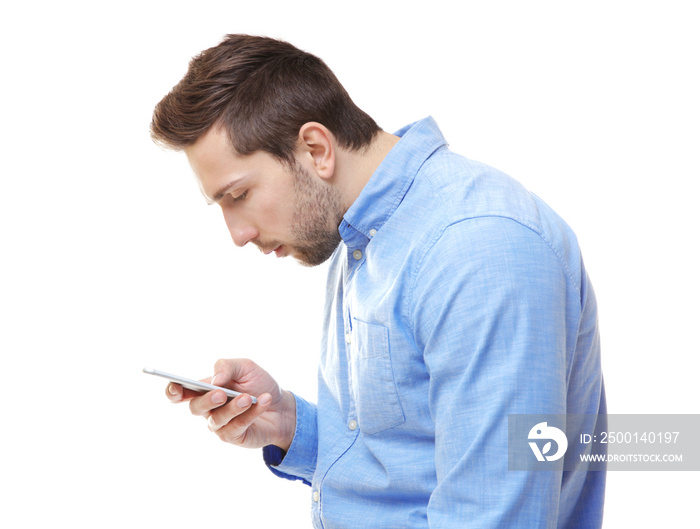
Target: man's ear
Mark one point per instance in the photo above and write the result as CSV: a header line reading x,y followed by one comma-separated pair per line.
x,y
317,142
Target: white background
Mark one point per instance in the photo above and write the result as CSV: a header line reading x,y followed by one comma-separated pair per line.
x,y
111,261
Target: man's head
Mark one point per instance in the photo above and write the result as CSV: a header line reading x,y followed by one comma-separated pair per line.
x,y
261,91
262,122
292,209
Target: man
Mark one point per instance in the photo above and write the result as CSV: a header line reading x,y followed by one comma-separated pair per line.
x,y
455,298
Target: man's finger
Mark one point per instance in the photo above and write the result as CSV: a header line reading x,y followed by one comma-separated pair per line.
x,y
203,404
235,370
235,429
222,416
174,392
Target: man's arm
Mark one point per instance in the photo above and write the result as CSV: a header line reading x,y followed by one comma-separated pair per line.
x,y
489,311
281,422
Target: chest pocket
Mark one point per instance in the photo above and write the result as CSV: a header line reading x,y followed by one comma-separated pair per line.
x,y
374,389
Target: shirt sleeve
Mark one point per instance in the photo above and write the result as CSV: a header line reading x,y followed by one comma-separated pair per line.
x,y
299,462
489,313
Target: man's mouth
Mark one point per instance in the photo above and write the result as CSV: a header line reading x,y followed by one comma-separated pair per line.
x,y
276,249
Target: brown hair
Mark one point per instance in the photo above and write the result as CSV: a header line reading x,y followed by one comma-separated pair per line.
x,y
261,91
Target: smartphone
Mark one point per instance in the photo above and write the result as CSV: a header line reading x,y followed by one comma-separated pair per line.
x,y
194,385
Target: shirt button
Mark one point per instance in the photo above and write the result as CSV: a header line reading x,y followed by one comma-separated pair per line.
x,y
352,425
348,338
372,233
357,254
315,495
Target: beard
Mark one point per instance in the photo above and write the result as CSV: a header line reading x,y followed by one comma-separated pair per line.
x,y
317,215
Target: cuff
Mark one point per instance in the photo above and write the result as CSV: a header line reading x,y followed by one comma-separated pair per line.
x,y
299,463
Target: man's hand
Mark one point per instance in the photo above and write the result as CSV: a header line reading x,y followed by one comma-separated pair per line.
x,y
271,421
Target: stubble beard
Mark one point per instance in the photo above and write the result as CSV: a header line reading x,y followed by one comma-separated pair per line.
x,y
317,215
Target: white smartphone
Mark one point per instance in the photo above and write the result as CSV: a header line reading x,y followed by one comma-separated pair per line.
x,y
194,385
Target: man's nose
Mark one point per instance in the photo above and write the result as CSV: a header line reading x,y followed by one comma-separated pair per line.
x,y
241,232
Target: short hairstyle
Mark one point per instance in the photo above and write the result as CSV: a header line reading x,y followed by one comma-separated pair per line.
x,y
261,91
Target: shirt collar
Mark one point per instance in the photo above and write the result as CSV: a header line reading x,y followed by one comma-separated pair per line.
x,y
388,185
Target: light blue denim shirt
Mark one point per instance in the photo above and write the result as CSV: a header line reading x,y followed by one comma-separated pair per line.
x,y
455,299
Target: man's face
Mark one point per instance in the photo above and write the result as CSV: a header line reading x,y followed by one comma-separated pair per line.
x,y
291,211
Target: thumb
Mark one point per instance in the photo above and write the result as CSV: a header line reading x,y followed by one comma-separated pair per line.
x,y
230,370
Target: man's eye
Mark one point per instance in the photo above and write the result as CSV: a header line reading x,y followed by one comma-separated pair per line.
x,y
240,197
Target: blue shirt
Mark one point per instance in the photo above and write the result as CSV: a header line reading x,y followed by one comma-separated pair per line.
x,y
455,299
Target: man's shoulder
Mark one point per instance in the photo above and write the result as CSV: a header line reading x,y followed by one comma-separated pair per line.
x,y
452,190
460,200
463,188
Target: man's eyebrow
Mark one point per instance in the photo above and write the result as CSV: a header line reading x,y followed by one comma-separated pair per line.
x,y
221,193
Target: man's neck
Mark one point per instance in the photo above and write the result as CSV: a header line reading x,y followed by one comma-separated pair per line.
x,y
355,168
